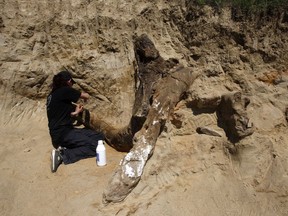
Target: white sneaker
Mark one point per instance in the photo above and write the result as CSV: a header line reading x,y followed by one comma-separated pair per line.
x,y
56,160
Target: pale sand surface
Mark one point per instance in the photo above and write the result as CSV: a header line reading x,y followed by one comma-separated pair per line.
x,y
187,175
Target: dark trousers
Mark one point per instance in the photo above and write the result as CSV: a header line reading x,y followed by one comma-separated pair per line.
x,y
80,143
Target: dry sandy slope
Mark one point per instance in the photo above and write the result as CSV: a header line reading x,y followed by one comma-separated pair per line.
x,y
27,185
187,175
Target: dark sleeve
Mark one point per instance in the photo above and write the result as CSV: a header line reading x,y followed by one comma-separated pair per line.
x,y
72,95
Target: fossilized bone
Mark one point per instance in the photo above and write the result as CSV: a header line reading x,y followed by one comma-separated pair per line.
x,y
128,173
161,86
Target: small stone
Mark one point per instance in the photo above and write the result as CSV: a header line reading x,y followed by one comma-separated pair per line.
x,y
207,131
27,150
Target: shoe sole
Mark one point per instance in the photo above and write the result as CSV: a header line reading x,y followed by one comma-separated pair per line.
x,y
52,161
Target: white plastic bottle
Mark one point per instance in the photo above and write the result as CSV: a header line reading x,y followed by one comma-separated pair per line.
x,y
101,154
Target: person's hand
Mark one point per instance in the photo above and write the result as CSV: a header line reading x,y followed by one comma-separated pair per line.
x,y
78,109
85,96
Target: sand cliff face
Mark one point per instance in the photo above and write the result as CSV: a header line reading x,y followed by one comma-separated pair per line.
x,y
190,173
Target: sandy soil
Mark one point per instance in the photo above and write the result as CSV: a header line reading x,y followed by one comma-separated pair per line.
x,y
187,175
29,188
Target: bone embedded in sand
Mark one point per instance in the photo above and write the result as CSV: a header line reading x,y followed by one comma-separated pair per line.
x,y
134,162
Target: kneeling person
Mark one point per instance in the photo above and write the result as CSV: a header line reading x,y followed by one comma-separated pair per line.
x,y
71,144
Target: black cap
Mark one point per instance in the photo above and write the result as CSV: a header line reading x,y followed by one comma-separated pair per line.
x,y
66,75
